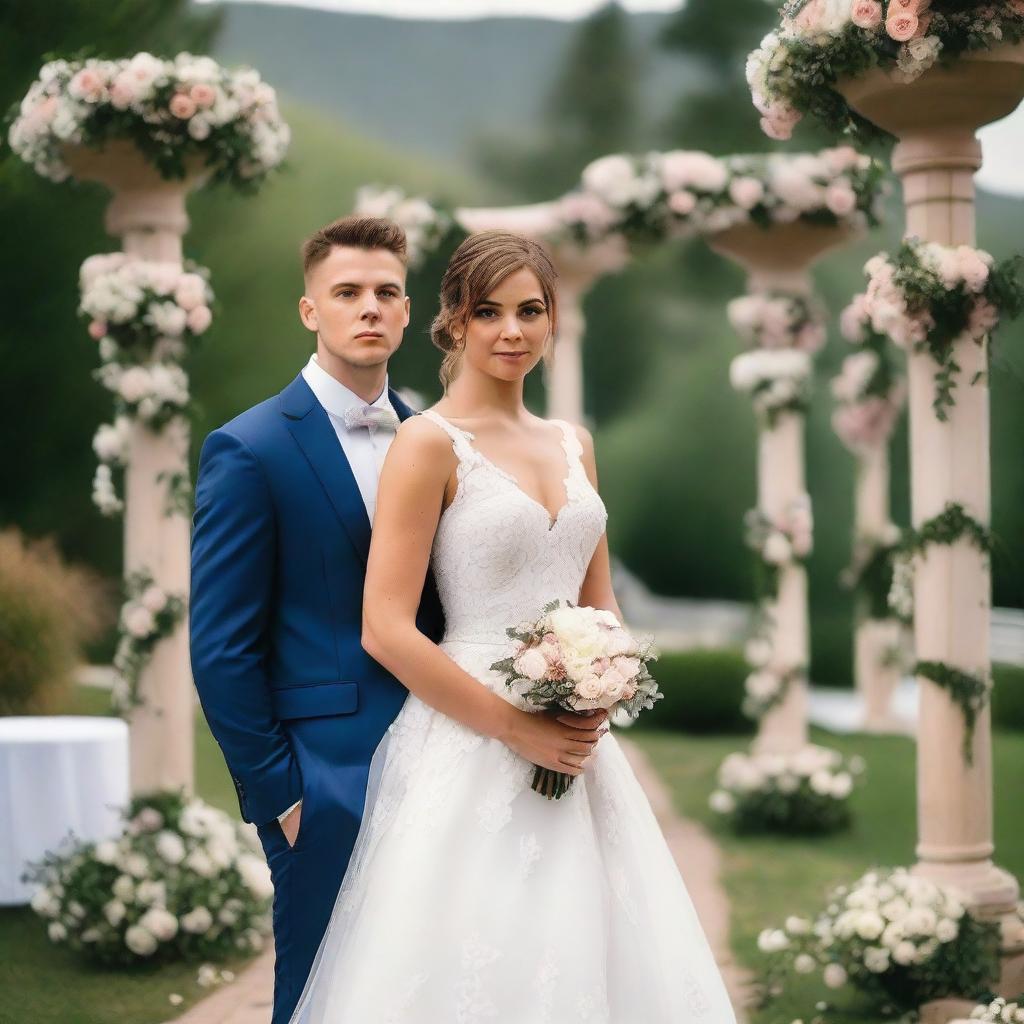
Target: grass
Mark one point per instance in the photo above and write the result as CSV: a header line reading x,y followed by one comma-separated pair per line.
x,y
41,982
767,878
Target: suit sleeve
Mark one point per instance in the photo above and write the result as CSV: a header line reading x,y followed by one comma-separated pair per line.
x,y
233,559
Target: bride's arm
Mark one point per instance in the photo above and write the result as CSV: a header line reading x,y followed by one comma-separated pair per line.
x,y
409,502
596,591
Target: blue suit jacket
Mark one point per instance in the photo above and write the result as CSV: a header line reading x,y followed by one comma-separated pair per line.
x,y
279,553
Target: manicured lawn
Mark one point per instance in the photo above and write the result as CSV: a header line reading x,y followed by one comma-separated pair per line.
x,y
768,878
41,983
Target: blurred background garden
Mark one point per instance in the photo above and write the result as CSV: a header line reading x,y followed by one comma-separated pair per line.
x,y
482,111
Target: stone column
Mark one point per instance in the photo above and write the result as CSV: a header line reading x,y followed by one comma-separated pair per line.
x,y
876,672
148,214
935,118
578,266
779,258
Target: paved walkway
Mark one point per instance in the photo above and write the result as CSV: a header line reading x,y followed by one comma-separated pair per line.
x,y
248,999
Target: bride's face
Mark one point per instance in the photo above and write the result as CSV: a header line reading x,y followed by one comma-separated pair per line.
x,y
509,328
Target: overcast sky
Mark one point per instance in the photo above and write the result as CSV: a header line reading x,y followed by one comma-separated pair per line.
x,y
1002,142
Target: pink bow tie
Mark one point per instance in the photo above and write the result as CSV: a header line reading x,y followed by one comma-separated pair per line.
x,y
373,416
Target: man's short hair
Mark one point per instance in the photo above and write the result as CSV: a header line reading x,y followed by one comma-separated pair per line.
x,y
356,232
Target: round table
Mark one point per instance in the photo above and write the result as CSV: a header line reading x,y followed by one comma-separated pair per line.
x,y
58,775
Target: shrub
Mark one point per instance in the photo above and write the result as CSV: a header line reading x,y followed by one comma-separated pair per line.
x,y
703,691
48,610
1008,696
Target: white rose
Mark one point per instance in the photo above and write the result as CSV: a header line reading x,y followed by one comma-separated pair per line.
x,y
44,904
123,888
905,953
138,621
947,930
137,865
777,549
772,940
161,923
921,921
167,317
821,782
804,963
256,875
615,180
140,941
722,802
150,893
798,925
201,864
190,292
876,959
106,852
56,931
197,921
869,925
842,785
134,384
762,685
746,193
834,976
114,911
154,599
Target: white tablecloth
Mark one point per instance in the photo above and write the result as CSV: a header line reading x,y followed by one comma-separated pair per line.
x,y
57,775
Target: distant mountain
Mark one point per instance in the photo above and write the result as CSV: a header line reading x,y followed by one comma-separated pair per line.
x,y
427,86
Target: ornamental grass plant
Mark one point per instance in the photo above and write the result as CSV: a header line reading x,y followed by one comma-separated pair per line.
x,y
48,611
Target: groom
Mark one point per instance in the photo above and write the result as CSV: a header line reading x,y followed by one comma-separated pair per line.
x,y
284,502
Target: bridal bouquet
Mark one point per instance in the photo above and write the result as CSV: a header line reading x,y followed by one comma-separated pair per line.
x,y
578,659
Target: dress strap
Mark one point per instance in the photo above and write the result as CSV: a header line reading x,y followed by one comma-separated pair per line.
x,y
464,451
576,477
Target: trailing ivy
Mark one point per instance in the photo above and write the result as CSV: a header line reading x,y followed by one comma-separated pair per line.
x,y
970,693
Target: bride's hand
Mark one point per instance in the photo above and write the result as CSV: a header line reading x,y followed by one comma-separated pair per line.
x,y
563,744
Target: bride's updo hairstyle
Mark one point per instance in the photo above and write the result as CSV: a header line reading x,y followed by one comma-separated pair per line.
x,y
476,268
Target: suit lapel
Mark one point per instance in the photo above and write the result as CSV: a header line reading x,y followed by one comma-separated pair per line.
x,y
311,427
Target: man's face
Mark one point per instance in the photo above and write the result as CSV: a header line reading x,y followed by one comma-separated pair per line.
x,y
355,301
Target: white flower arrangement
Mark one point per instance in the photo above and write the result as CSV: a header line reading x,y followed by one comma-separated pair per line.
x,y
426,225
928,297
785,539
795,70
148,615
897,937
140,897
778,381
144,317
999,1011
189,109
576,659
804,792
776,320
684,192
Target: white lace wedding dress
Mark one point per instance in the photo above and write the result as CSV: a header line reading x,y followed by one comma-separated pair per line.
x,y
469,896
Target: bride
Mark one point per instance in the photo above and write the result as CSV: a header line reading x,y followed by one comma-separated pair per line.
x,y
469,896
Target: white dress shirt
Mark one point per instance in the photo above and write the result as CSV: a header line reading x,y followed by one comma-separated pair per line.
x,y
364,447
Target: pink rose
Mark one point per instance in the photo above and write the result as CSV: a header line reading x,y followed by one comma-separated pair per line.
x,y
901,27
87,84
97,330
182,106
199,319
746,193
777,130
1017,6
628,667
190,291
866,14
984,317
203,95
532,664
138,621
684,203
840,199
154,599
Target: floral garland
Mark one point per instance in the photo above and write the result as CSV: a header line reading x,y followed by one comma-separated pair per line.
x,y
674,194
870,572
767,687
929,297
795,70
776,319
969,692
800,793
148,616
426,225
785,540
898,938
777,380
183,882
683,192
145,317
178,111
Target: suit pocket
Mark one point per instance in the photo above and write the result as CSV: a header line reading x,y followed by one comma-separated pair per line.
x,y
315,700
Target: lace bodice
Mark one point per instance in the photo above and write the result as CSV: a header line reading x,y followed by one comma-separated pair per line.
x,y
498,556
